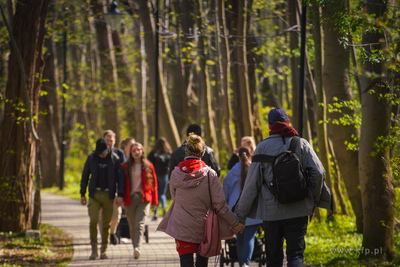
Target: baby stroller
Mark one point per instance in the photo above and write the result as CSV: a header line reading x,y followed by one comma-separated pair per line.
x,y
123,228
229,254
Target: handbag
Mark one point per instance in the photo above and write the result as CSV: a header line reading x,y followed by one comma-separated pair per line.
x,y
211,244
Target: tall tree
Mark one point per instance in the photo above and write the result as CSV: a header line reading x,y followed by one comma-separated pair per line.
x,y
49,120
108,76
18,138
322,130
337,86
378,196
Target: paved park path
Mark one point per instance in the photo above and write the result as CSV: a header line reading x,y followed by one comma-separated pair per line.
x,y
70,216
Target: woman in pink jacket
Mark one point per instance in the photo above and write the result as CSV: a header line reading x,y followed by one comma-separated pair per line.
x,y
140,191
185,220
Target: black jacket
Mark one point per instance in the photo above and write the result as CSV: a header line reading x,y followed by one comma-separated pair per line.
x,y
179,155
116,182
160,162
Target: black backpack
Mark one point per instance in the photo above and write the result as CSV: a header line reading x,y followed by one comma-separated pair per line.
x,y
290,181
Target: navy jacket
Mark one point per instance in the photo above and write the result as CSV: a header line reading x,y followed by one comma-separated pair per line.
x,y
116,182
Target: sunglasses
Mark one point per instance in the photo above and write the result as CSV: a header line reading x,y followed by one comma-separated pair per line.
x,y
136,149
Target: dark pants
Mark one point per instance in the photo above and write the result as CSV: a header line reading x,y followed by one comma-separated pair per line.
x,y
187,260
293,230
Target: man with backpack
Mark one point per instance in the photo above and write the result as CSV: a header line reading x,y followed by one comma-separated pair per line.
x,y
283,188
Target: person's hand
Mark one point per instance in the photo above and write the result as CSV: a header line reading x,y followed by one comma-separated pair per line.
x,y
153,207
83,200
238,228
312,214
119,201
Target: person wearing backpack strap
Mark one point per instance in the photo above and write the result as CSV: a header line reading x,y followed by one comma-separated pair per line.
x,y
258,201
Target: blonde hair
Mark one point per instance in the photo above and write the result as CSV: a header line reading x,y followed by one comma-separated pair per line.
x,y
250,143
195,145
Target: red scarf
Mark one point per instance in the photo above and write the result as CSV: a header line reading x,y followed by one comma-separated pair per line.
x,y
283,129
191,165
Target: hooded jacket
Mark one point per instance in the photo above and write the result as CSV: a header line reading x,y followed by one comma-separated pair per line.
x,y
185,219
179,155
258,202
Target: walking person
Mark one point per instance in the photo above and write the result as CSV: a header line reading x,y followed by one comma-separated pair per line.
x,y
103,174
189,186
247,141
179,154
233,186
283,221
141,191
126,146
160,156
109,135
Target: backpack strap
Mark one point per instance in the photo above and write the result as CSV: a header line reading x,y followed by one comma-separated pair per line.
x,y
294,144
262,158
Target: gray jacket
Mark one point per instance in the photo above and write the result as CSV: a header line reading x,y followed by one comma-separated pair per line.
x,y
257,202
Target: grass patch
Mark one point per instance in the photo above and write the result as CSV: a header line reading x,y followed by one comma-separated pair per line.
x,y
54,248
335,242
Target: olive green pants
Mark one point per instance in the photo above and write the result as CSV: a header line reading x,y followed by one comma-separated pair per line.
x,y
101,200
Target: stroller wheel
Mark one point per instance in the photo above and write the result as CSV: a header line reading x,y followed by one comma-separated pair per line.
x,y
221,259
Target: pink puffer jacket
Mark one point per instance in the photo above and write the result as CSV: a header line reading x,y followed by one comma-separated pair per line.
x,y
185,218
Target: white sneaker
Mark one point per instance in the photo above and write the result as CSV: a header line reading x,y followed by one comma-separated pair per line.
x,y
136,253
245,265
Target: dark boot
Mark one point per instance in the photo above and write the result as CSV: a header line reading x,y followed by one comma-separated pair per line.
x,y
94,251
103,251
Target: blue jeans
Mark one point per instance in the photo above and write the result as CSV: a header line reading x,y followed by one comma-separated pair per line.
x,y
293,230
162,181
245,244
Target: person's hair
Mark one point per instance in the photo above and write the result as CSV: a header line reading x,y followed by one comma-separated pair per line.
x,y
244,155
250,143
145,165
125,142
195,146
162,146
107,132
193,128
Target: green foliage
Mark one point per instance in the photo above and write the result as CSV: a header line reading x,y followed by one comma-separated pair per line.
x,y
334,242
337,107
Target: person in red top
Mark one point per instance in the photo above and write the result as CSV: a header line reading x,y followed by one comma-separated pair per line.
x,y
140,191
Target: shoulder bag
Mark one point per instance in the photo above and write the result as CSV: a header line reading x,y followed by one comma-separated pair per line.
x,y
211,244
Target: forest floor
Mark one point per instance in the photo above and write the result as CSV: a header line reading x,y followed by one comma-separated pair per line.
x,y
53,249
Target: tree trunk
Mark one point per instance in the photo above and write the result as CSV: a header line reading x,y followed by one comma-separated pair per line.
x,y
50,124
149,44
17,135
378,196
224,73
322,131
337,85
203,81
294,62
108,80
241,50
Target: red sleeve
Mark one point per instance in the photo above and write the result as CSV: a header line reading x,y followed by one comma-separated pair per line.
x,y
154,192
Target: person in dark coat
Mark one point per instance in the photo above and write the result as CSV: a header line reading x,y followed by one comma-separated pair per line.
x,y
103,175
179,154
